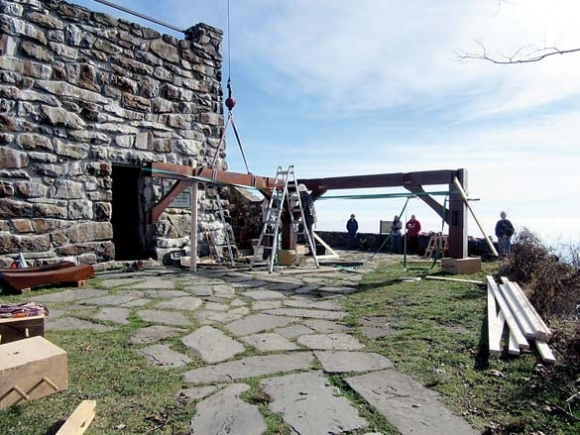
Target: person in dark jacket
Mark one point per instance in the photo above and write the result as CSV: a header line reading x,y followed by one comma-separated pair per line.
x,y
504,230
396,236
308,207
352,228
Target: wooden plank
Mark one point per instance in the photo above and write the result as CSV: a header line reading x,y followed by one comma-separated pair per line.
x,y
527,328
328,248
509,318
495,321
513,348
80,419
542,330
193,231
173,193
464,196
545,351
467,281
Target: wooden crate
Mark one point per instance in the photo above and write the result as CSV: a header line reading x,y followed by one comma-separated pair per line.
x,y
30,369
461,266
19,328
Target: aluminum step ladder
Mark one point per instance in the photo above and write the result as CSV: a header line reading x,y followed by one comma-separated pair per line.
x,y
285,198
218,248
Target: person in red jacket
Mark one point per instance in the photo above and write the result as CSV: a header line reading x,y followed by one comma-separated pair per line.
x,y
413,227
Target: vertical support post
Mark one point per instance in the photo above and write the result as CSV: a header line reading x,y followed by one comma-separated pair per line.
x,y
457,218
193,232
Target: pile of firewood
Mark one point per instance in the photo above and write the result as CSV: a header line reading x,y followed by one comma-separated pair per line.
x,y
507,304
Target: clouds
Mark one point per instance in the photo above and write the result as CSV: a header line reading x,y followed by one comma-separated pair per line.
x,y
360,87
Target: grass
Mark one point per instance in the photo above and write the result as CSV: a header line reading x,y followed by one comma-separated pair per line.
x,y
438,336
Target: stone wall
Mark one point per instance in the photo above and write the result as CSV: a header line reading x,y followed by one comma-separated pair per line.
x,y
82,92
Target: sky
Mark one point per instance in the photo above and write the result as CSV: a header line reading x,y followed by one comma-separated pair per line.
x,y
340,88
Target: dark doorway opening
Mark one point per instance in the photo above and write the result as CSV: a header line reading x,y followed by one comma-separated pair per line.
x,y
127,218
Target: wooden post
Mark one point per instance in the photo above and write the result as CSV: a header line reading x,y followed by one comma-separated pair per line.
x,y
193,232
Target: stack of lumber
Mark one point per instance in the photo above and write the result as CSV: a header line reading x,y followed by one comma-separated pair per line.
x,y
507,304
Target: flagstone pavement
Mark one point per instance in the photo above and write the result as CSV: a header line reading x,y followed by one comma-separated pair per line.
x,y
291,319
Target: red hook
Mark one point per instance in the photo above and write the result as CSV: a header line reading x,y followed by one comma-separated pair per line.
x,y
230,101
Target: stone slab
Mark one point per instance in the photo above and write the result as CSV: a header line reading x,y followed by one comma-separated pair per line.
x,y
120,282
408,405
237,303
229,316
343,290
309,314
310,405
325,326
199,290
165,294
249,367
223,291
253,283
316,305
115,300
196,393
154,333
162,356
71,295
164,317
114,314
216,307
264,294
266,305
212,345
337,341
155,283
344,361
72,323
257,323
225,413
269,342
185,303
292,331
136,302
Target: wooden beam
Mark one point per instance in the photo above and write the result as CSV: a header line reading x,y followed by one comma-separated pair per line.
x,y
466,281
193,231
333,253
180,172
464,196
545,352
540,329
495,321
175,190
80,419
427,199
527,328
509,318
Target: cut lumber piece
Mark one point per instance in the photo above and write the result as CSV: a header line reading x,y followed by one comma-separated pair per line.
x,y
467,281
80,419
495,324
543,331
545,352
509,318
525,325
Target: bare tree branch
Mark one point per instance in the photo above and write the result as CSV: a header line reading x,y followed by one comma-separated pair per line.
x,y
521,55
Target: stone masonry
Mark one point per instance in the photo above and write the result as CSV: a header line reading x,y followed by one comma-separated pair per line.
x,y
82,92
